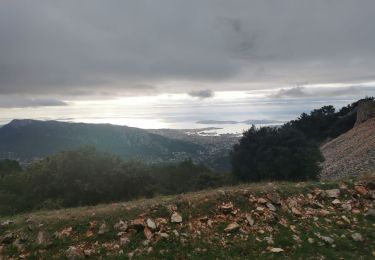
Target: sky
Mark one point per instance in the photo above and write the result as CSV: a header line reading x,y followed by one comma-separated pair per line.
x,y
169,63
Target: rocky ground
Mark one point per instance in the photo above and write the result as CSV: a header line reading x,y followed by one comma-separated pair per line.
x,y
267,220
350,154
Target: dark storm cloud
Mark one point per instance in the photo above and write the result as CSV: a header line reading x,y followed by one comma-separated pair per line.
x,y
203,93
16,102
91,46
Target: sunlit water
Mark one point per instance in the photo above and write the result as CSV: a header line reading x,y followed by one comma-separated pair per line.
x,y
175,112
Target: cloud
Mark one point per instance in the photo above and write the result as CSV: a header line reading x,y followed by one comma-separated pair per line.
x,y
314,91
291,92
203,93
16,102
58,48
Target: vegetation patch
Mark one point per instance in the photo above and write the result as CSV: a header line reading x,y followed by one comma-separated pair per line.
x,y
267,221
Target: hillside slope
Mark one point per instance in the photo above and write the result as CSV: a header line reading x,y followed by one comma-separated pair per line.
x,y
27,139
263,220
352,153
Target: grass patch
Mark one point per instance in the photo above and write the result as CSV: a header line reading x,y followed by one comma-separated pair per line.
x,y
299,238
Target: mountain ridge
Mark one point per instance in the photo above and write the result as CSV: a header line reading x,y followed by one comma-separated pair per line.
x,y
29,139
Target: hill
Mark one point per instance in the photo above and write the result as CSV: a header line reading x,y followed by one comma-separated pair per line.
x,y
29,139
352,153
263,220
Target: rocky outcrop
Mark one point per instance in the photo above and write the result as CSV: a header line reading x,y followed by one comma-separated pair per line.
x,y
365,111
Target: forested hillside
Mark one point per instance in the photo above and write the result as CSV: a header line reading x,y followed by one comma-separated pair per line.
x,y
88,177
292,151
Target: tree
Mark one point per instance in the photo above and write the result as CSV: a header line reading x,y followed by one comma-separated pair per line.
x,y
9,167
275,154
